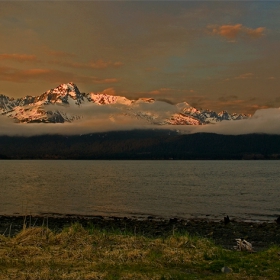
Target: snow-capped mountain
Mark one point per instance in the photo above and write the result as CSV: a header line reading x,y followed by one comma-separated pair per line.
x,y
66,103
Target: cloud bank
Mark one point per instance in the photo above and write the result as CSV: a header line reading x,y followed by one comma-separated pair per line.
x,y
263,121
105,118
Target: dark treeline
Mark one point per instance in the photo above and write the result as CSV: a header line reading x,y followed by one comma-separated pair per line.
x,y
141,144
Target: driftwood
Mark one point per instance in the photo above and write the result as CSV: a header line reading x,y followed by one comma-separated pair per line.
x,y
243,245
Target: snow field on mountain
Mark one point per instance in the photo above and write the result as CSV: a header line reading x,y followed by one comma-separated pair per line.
x,y
67,98
65,110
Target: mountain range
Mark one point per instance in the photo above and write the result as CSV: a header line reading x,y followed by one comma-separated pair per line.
x,y
66,103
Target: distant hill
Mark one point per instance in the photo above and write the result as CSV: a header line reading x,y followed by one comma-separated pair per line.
x,y
141,144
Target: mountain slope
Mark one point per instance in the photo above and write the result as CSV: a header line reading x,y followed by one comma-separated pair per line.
x,y
66,103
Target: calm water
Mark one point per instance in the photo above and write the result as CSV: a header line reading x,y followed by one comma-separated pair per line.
x,y
248,190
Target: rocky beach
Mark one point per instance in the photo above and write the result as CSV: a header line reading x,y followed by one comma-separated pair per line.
x,y
261,234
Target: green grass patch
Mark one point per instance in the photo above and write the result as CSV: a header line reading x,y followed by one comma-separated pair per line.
x,y
92,253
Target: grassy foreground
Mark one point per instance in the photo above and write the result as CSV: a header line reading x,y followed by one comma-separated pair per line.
x,y
79,253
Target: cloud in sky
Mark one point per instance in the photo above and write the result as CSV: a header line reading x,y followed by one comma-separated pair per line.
x,y
18,57
20,76
108,91
50,75
98,64
237,30
96,80
170,92
161,90
231,103
245,76
23,76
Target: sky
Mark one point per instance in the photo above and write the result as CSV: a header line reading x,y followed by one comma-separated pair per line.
x,y
217,55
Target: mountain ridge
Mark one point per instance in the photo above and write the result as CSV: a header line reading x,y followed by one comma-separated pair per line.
x,y
53,106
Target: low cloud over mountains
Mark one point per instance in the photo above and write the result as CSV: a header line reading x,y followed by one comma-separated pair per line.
x,y
65,110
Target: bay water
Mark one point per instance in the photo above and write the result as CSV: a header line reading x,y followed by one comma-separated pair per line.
x,y
245,190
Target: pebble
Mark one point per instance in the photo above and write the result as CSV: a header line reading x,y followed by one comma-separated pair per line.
x,y
226,269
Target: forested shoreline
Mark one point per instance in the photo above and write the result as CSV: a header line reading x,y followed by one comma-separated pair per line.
x,y
142,144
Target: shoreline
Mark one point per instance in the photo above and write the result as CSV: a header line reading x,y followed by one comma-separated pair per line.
x,y
261,234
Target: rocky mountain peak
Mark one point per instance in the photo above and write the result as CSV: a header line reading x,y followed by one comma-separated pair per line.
x,y
37,109
61,94
63,89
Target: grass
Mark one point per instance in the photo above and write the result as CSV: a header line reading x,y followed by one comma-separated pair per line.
x,y
91,253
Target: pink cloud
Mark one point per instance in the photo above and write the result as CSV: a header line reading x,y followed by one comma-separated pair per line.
x,y
18,57
99,64
238,30
49,75
20,76
171,91
107,91
104,81
255,33
228,31
245,76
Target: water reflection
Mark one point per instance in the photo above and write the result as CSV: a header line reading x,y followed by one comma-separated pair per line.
x,y
245,189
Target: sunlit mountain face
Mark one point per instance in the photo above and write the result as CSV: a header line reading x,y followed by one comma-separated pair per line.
x,y
66,104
